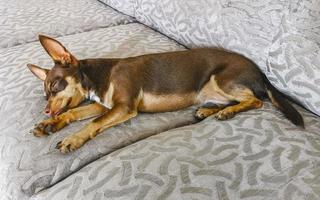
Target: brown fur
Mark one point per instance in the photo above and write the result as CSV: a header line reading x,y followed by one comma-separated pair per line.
x,y
148,83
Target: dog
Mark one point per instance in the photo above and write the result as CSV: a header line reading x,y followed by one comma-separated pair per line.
x,y
120,88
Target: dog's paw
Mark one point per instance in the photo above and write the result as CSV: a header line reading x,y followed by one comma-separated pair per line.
x,y
48,126
39,131
70,143
224,114
202,112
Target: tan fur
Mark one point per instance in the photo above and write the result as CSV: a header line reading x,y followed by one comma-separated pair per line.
x,y
213,93
72,95
240,93
108,100
202,112
116,115
160,103
211,90
230,111
274,102
55,124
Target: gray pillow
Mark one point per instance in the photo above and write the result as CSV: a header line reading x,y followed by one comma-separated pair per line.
x,y
294,55
124,6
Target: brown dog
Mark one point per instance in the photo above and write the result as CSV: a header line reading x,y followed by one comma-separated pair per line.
x,y
148,83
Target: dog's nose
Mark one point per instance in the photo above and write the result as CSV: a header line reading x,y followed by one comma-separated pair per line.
x,y
47,111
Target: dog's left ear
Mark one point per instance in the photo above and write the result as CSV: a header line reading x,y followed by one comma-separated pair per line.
x,y
57,51
39,72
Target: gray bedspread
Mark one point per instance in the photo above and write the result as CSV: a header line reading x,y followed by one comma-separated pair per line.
x,y
21,21
256,155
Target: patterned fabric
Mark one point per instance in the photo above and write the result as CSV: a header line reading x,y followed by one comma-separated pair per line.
x,y
124,6
256,155
22,20
29,164
282,37
294,56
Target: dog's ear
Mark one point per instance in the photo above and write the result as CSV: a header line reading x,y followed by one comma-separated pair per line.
x,y
39,72
57,51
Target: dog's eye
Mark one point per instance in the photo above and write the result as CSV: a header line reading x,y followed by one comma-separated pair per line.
x,y
55,86
58,85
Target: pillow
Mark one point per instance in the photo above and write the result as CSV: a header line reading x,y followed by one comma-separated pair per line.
x,y
293,63
124,6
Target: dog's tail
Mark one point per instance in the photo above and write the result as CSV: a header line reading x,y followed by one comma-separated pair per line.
x,y
278,100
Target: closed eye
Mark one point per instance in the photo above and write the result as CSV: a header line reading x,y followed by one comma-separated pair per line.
x,y
55,86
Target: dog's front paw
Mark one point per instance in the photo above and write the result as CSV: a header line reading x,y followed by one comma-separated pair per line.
x,y
70,143
48,126
225,114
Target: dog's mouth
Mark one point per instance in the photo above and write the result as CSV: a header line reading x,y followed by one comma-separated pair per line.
x,y
63,109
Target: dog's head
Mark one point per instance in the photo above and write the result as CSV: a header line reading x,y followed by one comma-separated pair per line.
x,y
62,84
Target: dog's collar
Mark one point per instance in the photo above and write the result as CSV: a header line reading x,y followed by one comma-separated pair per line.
x,y
92,96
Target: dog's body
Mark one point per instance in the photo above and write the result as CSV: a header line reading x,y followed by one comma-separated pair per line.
x,y
149,83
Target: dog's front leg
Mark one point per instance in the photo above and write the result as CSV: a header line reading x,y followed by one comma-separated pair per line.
x,y
56,123
118,114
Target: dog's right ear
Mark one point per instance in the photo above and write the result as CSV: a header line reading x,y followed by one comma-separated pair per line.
x,y
39,72
57,51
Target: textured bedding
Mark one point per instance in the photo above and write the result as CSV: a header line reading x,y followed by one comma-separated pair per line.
x,y
29,164
256,155
21,21
124,6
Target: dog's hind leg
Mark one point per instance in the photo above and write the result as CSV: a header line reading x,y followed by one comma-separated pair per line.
x,y
55,124
233,98
248,103
236,98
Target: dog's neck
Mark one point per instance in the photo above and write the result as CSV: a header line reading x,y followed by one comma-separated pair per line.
x,y
94,75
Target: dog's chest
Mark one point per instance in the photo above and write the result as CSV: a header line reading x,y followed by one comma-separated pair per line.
x,y
94,97
107,99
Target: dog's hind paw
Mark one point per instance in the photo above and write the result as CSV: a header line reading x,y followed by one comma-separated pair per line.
x,y
199,115
203,112
224,114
